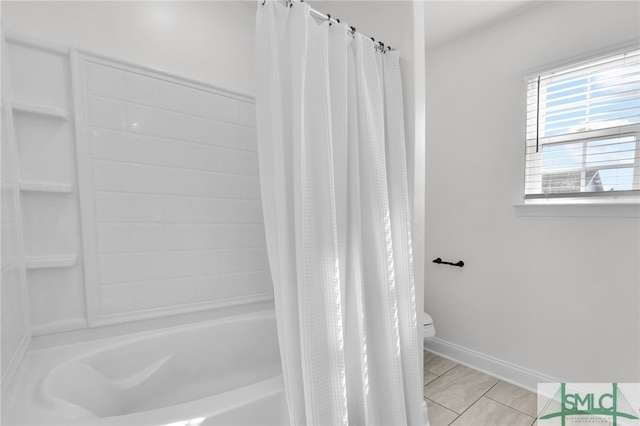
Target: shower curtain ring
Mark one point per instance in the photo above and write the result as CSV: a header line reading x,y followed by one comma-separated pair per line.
x,y
329,18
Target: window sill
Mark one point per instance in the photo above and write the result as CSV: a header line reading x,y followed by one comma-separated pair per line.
x,y
578,208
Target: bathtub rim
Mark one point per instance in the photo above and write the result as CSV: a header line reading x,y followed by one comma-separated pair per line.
x,y
104,332
134,337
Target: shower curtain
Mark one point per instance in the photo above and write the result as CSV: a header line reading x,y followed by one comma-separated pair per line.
x,y
336,209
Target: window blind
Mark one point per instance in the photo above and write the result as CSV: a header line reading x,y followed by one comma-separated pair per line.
x,y
583,127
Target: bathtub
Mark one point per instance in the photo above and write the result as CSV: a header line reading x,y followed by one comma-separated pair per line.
x,y
219,372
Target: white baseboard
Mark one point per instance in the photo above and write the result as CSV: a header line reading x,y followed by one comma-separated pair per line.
x,y
498,368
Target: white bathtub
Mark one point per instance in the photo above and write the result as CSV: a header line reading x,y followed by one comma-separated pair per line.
x,y
219,372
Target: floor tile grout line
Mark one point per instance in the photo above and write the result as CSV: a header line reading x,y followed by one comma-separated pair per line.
x,y
474,402
455,364
508,406
436,379
431,372
471,405
426,383
450,369
440,375
494,385
448,409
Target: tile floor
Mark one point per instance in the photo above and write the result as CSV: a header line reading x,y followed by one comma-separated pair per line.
x,y
461,396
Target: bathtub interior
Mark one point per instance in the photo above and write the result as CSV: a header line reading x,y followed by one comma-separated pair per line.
x,y
151,373
162,373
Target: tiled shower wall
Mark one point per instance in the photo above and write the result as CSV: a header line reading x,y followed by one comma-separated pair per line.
x,y
172,193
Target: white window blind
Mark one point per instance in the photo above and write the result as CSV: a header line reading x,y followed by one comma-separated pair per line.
x,y
583,127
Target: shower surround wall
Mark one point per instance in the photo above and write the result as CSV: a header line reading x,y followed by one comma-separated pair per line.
x,y
166,186
43,133
172,218
14,313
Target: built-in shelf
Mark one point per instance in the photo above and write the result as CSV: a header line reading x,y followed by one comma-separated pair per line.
x,y
35,186
53,261
40,110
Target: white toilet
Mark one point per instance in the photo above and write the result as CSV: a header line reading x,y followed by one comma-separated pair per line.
x,y
429,330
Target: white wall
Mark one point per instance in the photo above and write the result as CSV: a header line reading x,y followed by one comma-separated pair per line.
x,y
210,41
555,295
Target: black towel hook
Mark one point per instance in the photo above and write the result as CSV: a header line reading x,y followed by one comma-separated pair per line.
x,y
439,261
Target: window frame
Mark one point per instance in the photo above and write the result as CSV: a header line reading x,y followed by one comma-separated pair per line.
x,y
629,198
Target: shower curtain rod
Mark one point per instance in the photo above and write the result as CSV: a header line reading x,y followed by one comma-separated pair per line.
x,y
327,17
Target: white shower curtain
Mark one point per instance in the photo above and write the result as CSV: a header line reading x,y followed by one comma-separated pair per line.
x,y
336,209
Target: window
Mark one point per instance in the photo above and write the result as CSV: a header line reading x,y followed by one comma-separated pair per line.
x,y
583,128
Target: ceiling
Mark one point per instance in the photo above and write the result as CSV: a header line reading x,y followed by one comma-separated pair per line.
x,y
448,20
445,20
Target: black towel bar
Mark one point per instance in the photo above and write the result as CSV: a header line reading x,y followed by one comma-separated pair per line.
x,y
460,263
